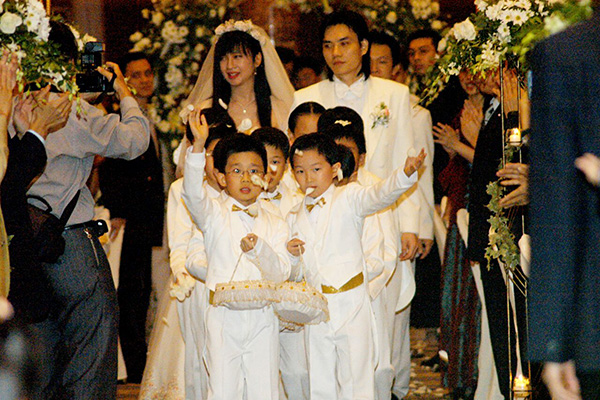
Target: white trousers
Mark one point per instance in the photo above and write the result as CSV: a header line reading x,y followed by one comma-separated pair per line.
x,y
401,353
384,372
242,354
340,351
191,320
293,365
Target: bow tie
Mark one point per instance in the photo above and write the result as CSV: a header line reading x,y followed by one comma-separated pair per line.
x,y
319,203
251,211
276,197
341,89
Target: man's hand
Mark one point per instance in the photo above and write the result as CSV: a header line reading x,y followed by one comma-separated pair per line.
x,y
561,380
248,242
295,247
515,174
424,248
116,224
199,127
410,245
589,164
119,85
49,115
8,80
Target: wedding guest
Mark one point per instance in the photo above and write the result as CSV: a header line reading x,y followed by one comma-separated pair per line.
x,y
565,225
307,71
133,192
80,361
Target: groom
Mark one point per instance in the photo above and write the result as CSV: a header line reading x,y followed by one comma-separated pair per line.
x,y
383,105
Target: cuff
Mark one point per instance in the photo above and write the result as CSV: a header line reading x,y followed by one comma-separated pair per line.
x,y
37,135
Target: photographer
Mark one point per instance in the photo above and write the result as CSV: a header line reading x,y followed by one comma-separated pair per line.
x,y
80,335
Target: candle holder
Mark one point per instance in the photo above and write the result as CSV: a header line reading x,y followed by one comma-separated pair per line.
x,y
521,387
514,137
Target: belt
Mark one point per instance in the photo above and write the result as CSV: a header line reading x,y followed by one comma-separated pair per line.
x,y
351,284
97,227
211,296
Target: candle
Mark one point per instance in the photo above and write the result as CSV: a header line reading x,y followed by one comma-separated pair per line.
x,y
521,387
514,137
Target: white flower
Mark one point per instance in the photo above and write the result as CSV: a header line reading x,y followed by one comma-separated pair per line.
x,y
442,45
183,31
145,13
212,13
380,115
9,23
200,31
199,48
221,12
1,5
392,17
157,18
136,37
177,60
373,14
464,30
453,69
163,126
554,24
493,11
174,76
43,30
481,5
504,33
142,44
437,25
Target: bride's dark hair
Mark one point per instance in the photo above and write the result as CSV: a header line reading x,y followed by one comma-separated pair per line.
x,y
241,41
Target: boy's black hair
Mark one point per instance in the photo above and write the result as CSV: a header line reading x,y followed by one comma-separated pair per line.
x,y
273,137
244,42
382,38
425,33
347,160
344,123
307,62
61,35
237,143
323,144
131,57
306,108
358,25
219,123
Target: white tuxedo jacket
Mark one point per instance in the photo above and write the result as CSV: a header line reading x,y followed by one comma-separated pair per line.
x,y
387,145
333,246
223,230
179,227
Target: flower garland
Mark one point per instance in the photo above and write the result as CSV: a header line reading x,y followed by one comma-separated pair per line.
x,y
24,30
501,30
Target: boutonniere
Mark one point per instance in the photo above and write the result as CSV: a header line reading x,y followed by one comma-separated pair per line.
x,y
380,115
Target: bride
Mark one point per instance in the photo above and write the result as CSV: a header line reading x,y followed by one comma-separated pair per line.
x,y
247,79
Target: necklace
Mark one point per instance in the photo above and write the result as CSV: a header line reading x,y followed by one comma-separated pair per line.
x,y
246,123
244,107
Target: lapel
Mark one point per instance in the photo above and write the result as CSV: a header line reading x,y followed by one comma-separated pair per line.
x,y
304,224
261,225
372,135
237,227
324,215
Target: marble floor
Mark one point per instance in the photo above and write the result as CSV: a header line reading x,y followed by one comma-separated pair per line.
x,y
424,383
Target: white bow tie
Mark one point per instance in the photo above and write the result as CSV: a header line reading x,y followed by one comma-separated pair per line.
x,y
341,89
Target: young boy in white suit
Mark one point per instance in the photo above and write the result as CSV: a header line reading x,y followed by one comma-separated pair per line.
x,y
293,363
326,231
188,259
244,241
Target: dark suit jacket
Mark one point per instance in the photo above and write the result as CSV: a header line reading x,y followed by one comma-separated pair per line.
x,y
29,291
565,209
134,190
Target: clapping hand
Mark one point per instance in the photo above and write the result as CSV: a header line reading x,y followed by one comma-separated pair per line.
x,y
589,164
515,174
412,164
8,80
470,121
448,137
41,114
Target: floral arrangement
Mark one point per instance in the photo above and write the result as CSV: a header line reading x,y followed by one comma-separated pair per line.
x,y
244,26
177,38
501,30
400,18
24,30
380,115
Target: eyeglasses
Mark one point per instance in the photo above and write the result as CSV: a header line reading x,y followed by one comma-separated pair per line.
x,y
238,173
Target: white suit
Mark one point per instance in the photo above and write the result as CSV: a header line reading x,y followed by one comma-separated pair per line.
x,y
341,351
242,347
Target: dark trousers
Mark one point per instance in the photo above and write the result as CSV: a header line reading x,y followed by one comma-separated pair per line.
x,y
80,336
494,290
425,306
590,385
135,286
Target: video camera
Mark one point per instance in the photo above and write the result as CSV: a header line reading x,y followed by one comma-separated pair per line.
x,y
91,80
